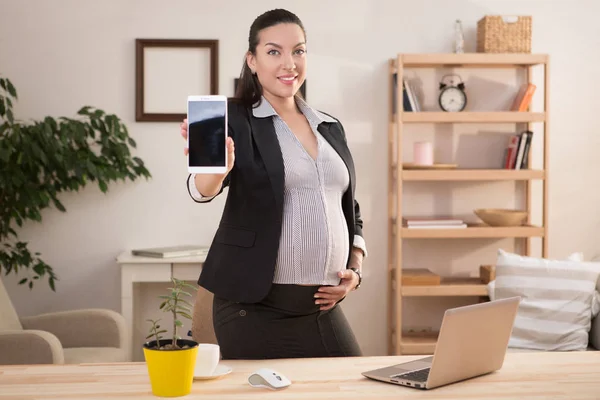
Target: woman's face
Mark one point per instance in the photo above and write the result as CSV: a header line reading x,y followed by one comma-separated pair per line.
x,y
280,60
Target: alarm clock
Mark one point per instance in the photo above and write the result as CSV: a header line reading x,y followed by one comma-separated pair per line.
x,y
452,97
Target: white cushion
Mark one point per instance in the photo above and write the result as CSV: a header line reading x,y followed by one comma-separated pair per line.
x,y
558,300
573,257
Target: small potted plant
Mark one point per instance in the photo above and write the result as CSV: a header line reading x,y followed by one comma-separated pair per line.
x,y
171,361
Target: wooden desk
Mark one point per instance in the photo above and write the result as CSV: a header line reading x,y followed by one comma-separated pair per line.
x,y
524,376
137,270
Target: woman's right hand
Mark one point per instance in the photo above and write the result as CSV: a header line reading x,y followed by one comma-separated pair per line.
x,y
229,143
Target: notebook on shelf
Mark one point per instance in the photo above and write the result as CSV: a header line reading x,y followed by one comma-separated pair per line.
x,y
433,222
171,251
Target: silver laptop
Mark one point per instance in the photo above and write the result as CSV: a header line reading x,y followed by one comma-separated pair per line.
x,y
172,251
473,340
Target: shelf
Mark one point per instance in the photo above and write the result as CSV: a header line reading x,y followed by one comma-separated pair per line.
x,y
448,287
402,177
472,175
471,117
472,60
473,231
418,343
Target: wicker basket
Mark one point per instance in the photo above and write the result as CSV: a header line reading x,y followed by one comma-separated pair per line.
x,y
498,34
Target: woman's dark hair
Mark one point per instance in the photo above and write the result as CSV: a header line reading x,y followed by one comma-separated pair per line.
x,y
249,89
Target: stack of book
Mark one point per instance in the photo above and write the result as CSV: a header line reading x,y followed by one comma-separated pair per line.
x,y
433,222
186,250
516,154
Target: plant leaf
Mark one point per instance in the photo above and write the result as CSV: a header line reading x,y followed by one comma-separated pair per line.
x,y
40,159
59,205
185,302
103,186
11,89
188,316
84,110
188,285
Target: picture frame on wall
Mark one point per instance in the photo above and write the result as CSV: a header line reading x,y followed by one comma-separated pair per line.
x,y
167,71
302,89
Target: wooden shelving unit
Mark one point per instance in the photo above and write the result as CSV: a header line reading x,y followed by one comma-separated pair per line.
x,y
450,287
472,60
428,117
474,231
473,175
402,341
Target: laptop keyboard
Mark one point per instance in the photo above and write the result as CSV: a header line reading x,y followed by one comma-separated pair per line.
x,y
416,376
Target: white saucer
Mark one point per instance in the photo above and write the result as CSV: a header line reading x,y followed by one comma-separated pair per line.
x,y
220,371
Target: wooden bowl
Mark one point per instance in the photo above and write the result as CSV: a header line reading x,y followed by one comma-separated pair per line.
x,y
501,216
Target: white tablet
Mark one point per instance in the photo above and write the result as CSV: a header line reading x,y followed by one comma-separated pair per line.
x,y
207,134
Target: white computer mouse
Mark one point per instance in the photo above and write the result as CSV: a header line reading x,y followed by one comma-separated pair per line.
x,y
267,378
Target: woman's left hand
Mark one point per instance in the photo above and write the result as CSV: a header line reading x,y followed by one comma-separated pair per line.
x,y
328,296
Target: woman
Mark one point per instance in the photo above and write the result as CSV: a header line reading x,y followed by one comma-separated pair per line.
x,y
289,246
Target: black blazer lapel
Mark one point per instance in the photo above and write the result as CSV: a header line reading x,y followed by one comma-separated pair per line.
x,y
266,141
335,137
336,140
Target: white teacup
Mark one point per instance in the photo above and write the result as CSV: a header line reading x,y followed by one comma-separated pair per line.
x,y
207,359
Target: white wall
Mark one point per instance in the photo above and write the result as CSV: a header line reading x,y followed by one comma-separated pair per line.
x,y
64,54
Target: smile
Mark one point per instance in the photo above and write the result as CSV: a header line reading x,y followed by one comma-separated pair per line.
x,y
288,80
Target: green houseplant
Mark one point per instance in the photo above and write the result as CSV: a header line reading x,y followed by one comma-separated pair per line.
x,y
41,159
171,361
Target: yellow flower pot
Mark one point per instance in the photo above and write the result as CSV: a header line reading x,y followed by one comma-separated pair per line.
x,y
171,371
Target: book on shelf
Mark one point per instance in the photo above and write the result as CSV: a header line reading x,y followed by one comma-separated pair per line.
x,y
171,251
517,152
523,98
410,101
413,104
433,223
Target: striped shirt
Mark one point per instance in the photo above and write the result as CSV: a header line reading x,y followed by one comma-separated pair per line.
x,y
314,238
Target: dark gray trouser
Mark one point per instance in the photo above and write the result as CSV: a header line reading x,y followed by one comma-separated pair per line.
x,y
286,324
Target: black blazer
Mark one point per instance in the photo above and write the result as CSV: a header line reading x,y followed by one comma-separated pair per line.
x,y
240,264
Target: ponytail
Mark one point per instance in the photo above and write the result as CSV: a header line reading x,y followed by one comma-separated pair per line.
x,y
249,89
